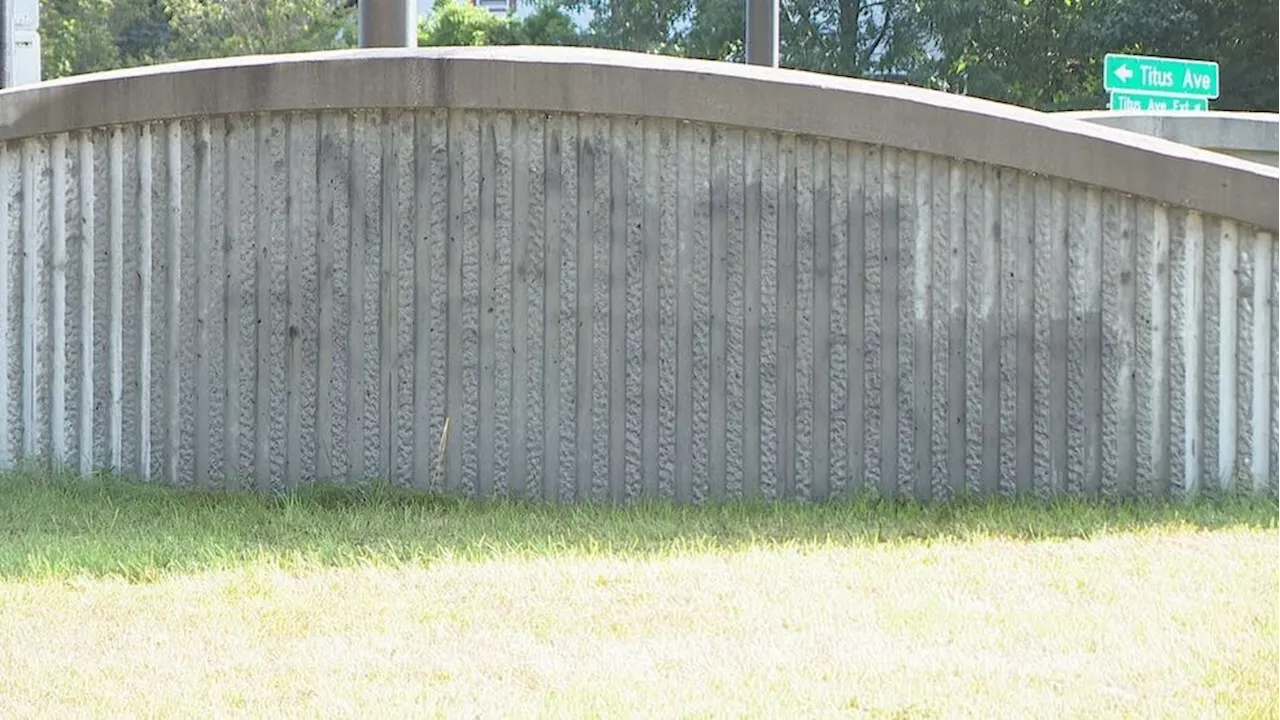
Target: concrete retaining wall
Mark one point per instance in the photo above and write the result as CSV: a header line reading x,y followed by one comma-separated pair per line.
x,y
587,295
1249,136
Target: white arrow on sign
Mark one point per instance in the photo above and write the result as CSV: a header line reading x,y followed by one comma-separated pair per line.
x,y
1124,73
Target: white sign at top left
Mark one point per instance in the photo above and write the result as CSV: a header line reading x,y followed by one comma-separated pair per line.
x,y
26,15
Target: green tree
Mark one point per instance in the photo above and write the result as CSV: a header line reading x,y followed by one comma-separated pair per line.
x,y
219,28
454,23
1047,54
80,36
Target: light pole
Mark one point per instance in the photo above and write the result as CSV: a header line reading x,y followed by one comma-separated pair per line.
x,y
6,43
388,23
762,32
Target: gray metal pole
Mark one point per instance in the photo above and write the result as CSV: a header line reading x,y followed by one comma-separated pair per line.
x,y
762,32
388,23
6,43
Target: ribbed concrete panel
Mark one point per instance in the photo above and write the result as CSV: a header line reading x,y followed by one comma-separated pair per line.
x,y
597,307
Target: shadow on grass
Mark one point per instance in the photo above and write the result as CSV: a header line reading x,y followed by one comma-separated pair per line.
x,y
106,526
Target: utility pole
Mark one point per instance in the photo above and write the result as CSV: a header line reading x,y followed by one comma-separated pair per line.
x,y
6,43
762,32
388,23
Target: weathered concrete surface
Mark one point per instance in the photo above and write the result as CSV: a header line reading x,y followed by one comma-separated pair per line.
x,y
1249,136
576,305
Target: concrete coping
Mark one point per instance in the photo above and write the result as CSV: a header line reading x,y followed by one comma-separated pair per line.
x,y
1245,131
592,81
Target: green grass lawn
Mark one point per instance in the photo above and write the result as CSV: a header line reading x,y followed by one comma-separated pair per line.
x,y
123,600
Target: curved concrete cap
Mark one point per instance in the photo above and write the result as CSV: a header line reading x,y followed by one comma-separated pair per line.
x,y
620,83
1245,131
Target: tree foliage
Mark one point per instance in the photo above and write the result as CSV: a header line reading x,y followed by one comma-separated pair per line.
x,y
454,23
1045,54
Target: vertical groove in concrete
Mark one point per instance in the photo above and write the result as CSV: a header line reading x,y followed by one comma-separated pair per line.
x,y
652,274
1091,327
80,305
785,409
1026,293
822,270
1077,310
904,425
30,255
1228,273
388,302
922,291
1217,259
841,368
1143,346
752,202
1060,314
453,331
617,287
470,367
956,258
800,222
600,233
535,278
400,445
701,322
1263,401
666,149
634,330
719,277
888,260
567,258
1269,479
498,131
770,211
421,241
990,300
1246,345
115,310
329,163
732,145
201,286
551,362
1193,349
232,247
1044,277
6,190
143,298
262,302
1161,295
857,277
975,281
1009,256
1180,291
57,308
684,315
517,470
293,303
173,301
584,247
487,271
1113,281
942,265
872,274
1126,331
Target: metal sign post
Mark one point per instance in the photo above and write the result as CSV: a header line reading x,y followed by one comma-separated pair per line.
x,y
6,43
388,23
762,32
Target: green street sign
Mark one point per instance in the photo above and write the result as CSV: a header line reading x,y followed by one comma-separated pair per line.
x,y
1160,76
1146,102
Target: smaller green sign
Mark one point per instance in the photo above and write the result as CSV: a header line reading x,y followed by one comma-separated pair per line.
x,y
1143,102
